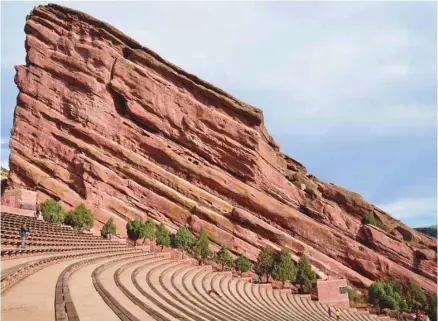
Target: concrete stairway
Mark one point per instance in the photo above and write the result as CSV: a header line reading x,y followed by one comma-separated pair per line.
x,y
83,277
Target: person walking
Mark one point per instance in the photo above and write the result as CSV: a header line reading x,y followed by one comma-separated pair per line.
x,y
329,311
20,203
81,228
338,314
23,234
37,210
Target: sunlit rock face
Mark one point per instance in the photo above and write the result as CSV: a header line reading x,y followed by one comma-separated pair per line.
x,y
102,120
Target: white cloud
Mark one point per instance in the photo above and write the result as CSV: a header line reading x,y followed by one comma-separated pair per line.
x,y
411,207
5,140
396,70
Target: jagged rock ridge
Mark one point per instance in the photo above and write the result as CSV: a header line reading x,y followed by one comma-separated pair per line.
x,y
102,120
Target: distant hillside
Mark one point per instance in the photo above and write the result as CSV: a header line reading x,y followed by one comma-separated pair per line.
x,y
431,230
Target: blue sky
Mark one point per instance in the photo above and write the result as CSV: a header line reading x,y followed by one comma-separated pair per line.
x,y
347,88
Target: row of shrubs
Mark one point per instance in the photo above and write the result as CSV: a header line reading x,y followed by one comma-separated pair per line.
x,y
53,212
394,296
277,265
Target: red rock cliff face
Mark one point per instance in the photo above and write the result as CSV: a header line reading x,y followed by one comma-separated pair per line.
x,y
102,120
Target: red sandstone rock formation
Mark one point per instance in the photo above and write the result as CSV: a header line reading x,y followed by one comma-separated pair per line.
x,y
102,120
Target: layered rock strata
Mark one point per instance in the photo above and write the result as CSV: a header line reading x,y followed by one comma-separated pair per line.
x,y
103,120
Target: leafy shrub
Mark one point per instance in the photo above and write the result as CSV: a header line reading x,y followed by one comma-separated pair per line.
x,y
432,309
149,229
162,236
81,214
242,264
135,230
355,297
224,257
201,247
369,218
263,265
306,278
184,239
283,269
52,211
108,228
415,297
390,295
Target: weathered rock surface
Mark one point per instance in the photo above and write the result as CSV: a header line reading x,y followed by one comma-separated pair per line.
x,y
102,120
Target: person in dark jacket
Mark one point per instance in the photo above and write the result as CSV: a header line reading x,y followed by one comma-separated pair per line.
x,y
23,234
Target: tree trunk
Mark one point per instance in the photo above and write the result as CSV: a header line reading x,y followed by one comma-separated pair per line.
x,y
222,267
283,284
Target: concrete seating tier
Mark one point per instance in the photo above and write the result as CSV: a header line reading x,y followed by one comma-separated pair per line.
x,y
88,278
46,238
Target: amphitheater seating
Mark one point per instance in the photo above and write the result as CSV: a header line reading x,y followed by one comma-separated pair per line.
x,y
63,275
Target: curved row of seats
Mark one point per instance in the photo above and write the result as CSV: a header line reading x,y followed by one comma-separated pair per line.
x,y
112,281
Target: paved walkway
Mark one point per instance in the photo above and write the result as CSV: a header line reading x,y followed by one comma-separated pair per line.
x,y
13,262
38,293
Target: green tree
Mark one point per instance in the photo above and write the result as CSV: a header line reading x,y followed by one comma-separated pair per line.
x,y
52,211
376,293
163,236
184,239
415,297
283,269
135,230
387,295
108,228
432,308
224,257
396,287
242,264
263,265
389,302
369,218
149,230
201,246
306,278
403,306
80,215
